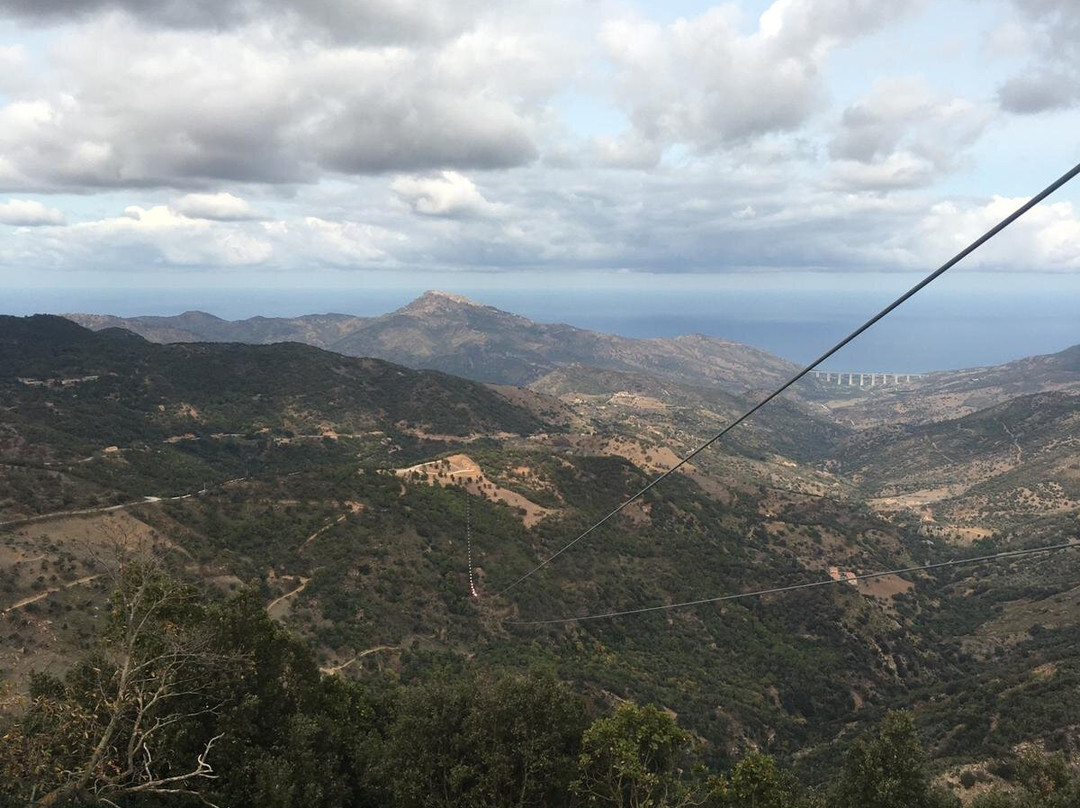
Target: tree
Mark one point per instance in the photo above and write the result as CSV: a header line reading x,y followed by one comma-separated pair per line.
x,y
525,732
498,741
755,782
104,733
290,737
427,763
635,759
1043,774
888,770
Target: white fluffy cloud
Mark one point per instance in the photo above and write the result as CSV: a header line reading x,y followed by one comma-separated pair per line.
x,y
222,207
1046,239
705,83
903,134
335,243
28,213
158,235
448,194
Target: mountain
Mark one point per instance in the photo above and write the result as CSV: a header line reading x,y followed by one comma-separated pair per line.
x,y
320,330
349,491
363,501
1010,469
456,335
183,413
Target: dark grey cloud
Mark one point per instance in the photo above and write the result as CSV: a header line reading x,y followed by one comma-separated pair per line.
x,y
865,134
417,130
368,21
1030,94
183,13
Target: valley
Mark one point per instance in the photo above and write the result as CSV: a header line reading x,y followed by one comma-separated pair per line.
x,y
338,489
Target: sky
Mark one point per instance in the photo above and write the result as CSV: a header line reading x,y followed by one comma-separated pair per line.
x,y
264,156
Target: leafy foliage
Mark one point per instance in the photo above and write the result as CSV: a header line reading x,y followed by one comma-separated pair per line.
x,y
218,705
636,758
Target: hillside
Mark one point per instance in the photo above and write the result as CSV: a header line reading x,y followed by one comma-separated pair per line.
x,y
300,470
949,394
682,416
167,417
456,335
998,471
351,494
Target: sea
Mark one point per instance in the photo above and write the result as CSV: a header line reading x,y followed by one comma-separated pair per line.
x,y
969,322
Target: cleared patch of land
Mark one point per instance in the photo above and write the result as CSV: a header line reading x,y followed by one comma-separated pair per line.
x,y
462,471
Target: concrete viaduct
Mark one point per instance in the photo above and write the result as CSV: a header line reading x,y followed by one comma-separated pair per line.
x,y
851,379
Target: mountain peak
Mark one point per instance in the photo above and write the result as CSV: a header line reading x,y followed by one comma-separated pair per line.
x,y
435,293
435,301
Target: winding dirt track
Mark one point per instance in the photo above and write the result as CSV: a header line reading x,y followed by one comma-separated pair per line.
x,y
336,669
44,517
47,592
303,582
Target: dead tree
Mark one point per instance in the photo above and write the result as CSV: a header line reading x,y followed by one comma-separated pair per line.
x,y
106,732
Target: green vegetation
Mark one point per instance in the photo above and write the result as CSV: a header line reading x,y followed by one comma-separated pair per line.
x,y
184,701
283,462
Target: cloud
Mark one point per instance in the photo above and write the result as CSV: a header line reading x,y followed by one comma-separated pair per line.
x,y
166,237
448,194
903,135
158,236
28,213
370,21
334,243
494,135
629,150
13,67
222,207
1051,30
1044,240
705,83
686,219
127,107
1039,92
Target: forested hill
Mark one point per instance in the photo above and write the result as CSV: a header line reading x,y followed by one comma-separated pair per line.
x,y
153,390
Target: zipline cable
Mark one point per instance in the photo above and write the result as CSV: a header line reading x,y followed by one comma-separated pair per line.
x,y
808,585
468,542
972,247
